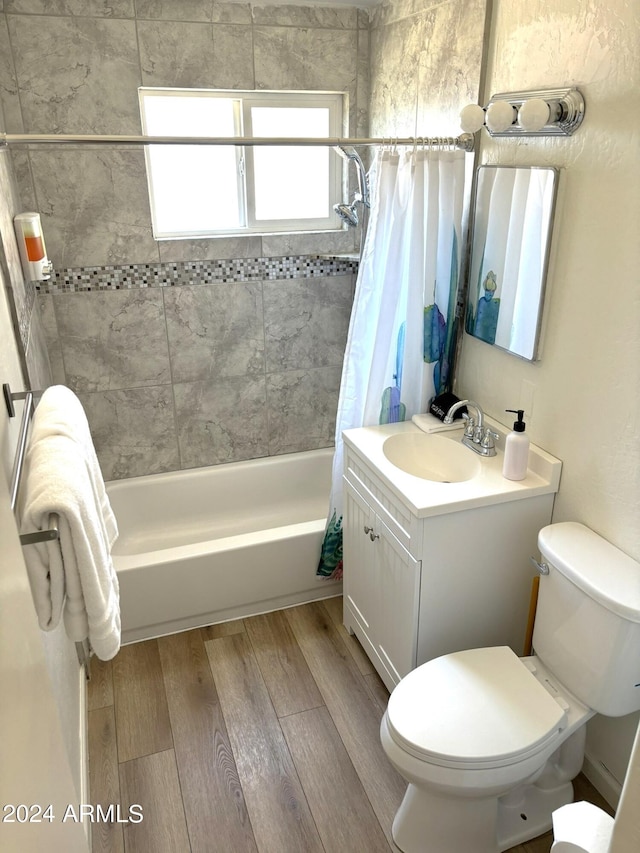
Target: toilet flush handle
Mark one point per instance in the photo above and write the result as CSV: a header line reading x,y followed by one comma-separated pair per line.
x,y
543,568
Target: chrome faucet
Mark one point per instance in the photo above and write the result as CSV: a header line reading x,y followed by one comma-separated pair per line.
x,y
476,437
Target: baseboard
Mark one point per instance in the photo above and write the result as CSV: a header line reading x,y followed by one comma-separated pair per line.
x,y
602,780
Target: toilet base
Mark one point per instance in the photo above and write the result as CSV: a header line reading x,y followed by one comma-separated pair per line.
x,y
521,821
444,824
435,824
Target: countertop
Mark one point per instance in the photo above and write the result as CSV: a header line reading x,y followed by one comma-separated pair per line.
x,y
426,497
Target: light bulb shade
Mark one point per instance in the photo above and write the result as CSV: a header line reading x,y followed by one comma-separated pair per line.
x,y
471,118
500,116
534,114
33,253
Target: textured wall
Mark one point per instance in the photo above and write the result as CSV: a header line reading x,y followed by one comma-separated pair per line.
x,y
586,386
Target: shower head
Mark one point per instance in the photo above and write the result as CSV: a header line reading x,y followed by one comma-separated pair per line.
x,y
363,185
347,212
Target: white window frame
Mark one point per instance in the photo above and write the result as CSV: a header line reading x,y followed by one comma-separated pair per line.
x,y
244,100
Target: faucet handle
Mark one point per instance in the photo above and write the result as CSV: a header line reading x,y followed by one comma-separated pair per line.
x,y
469,426
487,438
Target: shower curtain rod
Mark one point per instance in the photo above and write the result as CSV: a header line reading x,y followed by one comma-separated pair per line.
x,y
465,141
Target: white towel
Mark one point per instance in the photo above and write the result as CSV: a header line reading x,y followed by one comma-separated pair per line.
x,y
60,412
74,574
430,423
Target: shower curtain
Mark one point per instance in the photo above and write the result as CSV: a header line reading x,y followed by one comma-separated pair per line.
x,y
402,331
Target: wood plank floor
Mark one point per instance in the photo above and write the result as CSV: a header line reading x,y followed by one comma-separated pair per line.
x,y
259,735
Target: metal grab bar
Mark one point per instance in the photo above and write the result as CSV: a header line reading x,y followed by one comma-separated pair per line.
x,y
51,532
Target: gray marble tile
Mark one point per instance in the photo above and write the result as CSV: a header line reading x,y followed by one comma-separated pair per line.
x,y
86,8
298,58
213,249
24,181
209,11
94,205
10,206
49,326
233,66
196,55
306,322
317,243
133,431
448,65
76,75
113,340
174,53
9,100
37,356
221,421
394,80
302,407
215,330
169,10
332,17
363,85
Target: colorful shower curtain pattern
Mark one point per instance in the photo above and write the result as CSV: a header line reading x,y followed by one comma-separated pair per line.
x,y
402,331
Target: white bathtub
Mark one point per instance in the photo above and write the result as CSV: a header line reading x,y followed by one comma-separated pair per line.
x,y
206,545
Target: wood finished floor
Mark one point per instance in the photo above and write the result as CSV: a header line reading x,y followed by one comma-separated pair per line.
x,y
256,735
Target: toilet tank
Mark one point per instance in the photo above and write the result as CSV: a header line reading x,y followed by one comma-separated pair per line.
x,y
587,625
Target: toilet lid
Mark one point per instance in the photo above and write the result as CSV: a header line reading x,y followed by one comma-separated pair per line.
x,y
476,708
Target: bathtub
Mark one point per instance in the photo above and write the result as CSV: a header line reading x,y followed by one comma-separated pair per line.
x,y
207,545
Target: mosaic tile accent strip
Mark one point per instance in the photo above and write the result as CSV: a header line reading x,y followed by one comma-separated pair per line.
x,y
179,273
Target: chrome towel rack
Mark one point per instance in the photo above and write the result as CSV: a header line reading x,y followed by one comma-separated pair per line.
x,y
18,463
51,532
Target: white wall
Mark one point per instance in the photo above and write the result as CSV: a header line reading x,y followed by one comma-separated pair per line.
x,y
586,401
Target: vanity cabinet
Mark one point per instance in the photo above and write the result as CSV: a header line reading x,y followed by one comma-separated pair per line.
x,y
419,586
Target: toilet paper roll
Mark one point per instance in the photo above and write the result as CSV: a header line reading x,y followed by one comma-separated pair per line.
x,y
581,828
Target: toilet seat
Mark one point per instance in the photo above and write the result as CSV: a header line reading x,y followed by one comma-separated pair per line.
x,y
475,709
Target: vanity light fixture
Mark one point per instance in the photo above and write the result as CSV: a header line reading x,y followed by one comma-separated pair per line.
x,y
542,112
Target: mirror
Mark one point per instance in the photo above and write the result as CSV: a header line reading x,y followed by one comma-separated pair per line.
x,y
511,235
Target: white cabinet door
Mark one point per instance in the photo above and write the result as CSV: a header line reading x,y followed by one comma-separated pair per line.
x,y
381,589
360,590
398,575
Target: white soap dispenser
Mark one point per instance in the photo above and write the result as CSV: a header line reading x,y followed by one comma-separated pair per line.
x,y
516,450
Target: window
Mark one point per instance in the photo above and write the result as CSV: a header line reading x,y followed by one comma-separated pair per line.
x,y
212,190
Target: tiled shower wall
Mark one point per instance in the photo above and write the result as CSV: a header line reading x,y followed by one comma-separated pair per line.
x,y
155,399
75,67
201,369
190,373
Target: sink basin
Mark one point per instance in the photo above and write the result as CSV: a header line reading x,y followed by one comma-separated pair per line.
x,y
431,457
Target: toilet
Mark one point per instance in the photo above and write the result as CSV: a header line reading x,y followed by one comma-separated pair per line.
x,y
489,742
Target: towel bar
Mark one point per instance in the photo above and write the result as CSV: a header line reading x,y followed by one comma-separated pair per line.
x,y
51,533
28,397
